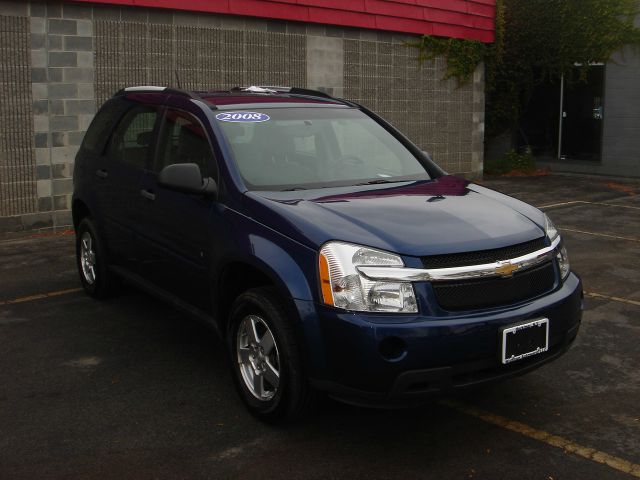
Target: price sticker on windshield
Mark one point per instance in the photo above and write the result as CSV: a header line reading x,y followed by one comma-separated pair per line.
x,y
244,117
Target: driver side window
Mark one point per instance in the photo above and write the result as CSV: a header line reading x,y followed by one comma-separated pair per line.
x,y
132,139
184,140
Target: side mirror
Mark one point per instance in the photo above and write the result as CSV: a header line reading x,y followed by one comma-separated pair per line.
x,y
186,178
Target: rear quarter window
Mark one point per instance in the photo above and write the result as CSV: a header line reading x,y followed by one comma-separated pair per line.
x,y
103,123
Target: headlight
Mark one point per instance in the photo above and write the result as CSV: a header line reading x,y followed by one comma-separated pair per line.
x,y
561,255
563,261
343,287
550,229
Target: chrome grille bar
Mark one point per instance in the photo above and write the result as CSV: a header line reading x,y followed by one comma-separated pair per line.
x,y
503,268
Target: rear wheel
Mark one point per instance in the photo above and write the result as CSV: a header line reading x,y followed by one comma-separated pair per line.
x,y
268,370
92,262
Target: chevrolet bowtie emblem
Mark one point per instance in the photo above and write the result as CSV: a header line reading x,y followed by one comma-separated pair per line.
x,y
506,269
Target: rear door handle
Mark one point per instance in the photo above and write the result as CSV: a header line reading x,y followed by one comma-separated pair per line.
x,y
148,194
102,173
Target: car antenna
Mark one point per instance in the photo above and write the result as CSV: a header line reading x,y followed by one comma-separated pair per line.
x,y
177,78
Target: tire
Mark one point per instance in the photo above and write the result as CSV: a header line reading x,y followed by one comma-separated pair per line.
x,y
92,261
292,398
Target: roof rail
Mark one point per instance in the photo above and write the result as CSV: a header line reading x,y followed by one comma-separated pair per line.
x,y
292,91
321,94
156,89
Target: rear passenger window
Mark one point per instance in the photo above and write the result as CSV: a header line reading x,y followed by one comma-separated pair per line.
x,y
132,139
183,140
102,125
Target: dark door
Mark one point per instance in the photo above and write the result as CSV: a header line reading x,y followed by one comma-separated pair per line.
x,y
176,238
119,172
582,116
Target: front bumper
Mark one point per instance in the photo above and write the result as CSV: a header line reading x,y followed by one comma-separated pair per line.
x,y
382,359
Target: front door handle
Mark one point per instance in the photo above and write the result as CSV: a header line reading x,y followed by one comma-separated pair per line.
x,y
102,173
149,195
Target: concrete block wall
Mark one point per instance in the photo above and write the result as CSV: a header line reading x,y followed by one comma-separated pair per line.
x,y
438,115
17,160
81,54
62,59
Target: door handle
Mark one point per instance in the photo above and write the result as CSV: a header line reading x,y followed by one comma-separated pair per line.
x,y
102,173
149,195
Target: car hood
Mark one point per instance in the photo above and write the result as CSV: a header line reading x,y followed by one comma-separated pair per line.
x,y
445,215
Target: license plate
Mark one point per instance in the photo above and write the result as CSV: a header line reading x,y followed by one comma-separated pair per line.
x,y
525,339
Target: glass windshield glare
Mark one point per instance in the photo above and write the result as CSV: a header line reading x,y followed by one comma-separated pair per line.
x,y
305,148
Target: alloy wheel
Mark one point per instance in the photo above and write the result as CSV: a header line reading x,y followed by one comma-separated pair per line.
x,y
87,258
258,357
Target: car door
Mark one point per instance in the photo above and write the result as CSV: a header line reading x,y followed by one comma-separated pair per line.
x,y
118,174
176,235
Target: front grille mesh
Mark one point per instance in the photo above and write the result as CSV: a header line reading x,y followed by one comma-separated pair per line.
x,y
495,291
483,256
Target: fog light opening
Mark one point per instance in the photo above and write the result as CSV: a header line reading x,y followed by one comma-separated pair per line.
x,y
393,349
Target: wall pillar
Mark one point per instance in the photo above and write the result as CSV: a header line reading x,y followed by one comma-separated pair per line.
x,y
62,57
325,64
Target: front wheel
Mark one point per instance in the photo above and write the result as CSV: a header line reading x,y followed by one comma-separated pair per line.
x,y
268,370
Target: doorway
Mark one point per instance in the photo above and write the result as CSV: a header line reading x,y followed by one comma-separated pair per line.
x,y
564,119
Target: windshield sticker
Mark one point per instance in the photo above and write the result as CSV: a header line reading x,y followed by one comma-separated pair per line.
x,y
250,117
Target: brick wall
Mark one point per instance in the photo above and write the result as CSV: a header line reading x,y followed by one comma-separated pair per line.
x,y
78,55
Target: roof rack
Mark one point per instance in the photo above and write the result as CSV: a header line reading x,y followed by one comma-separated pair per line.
x,y
292,91
156,89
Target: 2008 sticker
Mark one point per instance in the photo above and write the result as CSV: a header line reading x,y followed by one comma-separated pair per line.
x,y
242,117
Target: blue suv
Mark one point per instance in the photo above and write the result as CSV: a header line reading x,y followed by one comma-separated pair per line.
x,y
329,252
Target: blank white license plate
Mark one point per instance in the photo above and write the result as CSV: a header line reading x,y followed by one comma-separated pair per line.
x,y
525,339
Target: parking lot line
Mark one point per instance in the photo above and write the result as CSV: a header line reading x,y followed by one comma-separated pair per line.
x,y
39,296
554,440
631,239
615,205
573,202
584,202
615,299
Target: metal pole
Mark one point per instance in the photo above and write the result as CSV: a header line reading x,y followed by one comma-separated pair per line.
x,y
561,117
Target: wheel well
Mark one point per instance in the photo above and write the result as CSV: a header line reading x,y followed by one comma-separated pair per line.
x,y
79,211
237,278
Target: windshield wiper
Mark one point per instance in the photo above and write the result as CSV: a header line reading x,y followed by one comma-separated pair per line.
x,y
377,181
292,189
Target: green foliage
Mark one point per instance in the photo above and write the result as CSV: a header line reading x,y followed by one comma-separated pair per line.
x,y
463,56
512,161
536,40
541,40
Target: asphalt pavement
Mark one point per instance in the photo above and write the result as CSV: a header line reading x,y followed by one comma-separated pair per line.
x,y
129,388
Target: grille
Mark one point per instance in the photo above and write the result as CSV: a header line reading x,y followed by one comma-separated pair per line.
x,y
496,291
483,256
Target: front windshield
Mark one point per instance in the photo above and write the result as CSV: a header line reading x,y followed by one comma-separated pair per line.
x,y
305,148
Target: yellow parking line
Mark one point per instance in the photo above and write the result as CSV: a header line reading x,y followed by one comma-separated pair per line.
x,y
554,440
631,239
40,296
615,299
